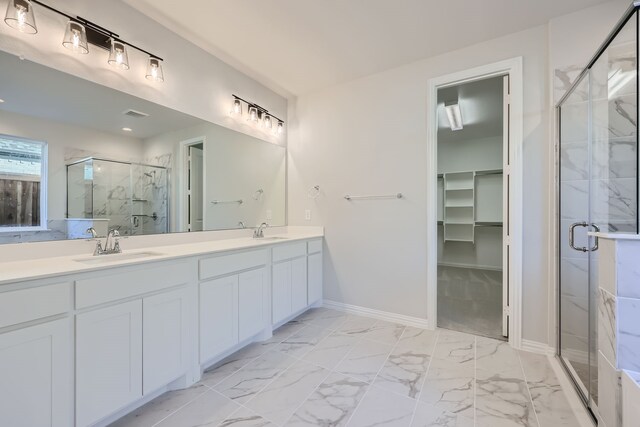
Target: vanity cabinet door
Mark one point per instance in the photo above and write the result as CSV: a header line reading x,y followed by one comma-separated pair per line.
x,y
298,284
315,278
165,339
218,316
251,303
281,291
35,376
108,360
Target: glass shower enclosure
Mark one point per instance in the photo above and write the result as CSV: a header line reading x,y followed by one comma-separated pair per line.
x,y
598,191
129,197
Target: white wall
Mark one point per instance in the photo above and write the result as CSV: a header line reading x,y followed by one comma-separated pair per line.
x,y
196,82
369,136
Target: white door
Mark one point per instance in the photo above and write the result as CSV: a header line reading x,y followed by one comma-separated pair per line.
x,y
218,316
505,206
314,275
281,291
165,335
195,194
251,303
108,360
298,284
35,372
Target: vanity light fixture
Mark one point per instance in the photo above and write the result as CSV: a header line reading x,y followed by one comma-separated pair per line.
x,y
258,115
75,38
20,16
454,115
118,56
154,70
236,107
79,34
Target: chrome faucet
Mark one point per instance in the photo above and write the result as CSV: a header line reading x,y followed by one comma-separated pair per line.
x,y
111,244
258,233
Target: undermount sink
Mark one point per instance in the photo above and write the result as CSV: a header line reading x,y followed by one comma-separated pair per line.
x,y
105,259
272,238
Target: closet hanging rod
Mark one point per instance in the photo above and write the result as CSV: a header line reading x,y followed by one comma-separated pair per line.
x,y
379,197
227,202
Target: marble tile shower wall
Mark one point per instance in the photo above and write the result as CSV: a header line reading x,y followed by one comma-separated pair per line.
x,y
618,324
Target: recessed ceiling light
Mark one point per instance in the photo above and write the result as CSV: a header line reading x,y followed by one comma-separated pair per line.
x,y
1,100
127,129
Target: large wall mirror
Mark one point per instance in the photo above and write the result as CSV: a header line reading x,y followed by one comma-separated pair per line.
x,y
75,155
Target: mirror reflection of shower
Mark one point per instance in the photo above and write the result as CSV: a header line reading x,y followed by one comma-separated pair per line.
x,y
106,194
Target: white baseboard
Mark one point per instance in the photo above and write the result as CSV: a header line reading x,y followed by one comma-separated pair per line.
x,y
537,347
377,314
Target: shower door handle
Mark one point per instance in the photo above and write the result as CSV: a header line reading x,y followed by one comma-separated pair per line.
x,y
572,230
595,238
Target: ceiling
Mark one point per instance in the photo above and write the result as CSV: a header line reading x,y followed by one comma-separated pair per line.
x,y
298,46
481,105
35,90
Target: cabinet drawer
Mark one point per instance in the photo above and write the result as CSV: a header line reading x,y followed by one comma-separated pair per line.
x,y
289,251
35,303
227,264
314,246
130,283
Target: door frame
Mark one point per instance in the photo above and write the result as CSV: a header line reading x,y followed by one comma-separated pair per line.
x,y
513,68
181,186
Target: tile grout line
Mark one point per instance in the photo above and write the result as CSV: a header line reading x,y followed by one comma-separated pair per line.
x,y
526,384
188,403
376,376
426,374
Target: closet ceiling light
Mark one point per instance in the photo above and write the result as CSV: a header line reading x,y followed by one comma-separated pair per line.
x,y
20,16
118,55
154,70
1,100
75,38
454,115
127,129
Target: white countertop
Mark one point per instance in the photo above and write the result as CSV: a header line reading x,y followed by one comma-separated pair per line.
x,y
615,236
19,271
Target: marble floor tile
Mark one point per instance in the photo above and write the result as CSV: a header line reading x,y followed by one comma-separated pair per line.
x,y
300,343
252,378
496,357
332,404
364,360
234,362
357,325
427,415
243,417
330,351
279,400
328,320
286,330
383,408
161,407
549,401
385,332
209,410
503,401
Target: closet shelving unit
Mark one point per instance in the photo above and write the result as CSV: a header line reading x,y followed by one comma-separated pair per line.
x,y
460,212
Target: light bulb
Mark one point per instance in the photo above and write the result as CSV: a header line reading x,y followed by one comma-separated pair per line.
x,y
118,55
20,16
266,122
280,128
154,70
75,38
236,107
253,114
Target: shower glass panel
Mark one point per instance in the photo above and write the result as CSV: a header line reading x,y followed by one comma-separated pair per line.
x,y
104,194
598,176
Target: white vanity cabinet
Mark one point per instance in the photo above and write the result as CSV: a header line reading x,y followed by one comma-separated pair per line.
x,y
314,271
126,350
232,307
36,359
108,360
289,280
